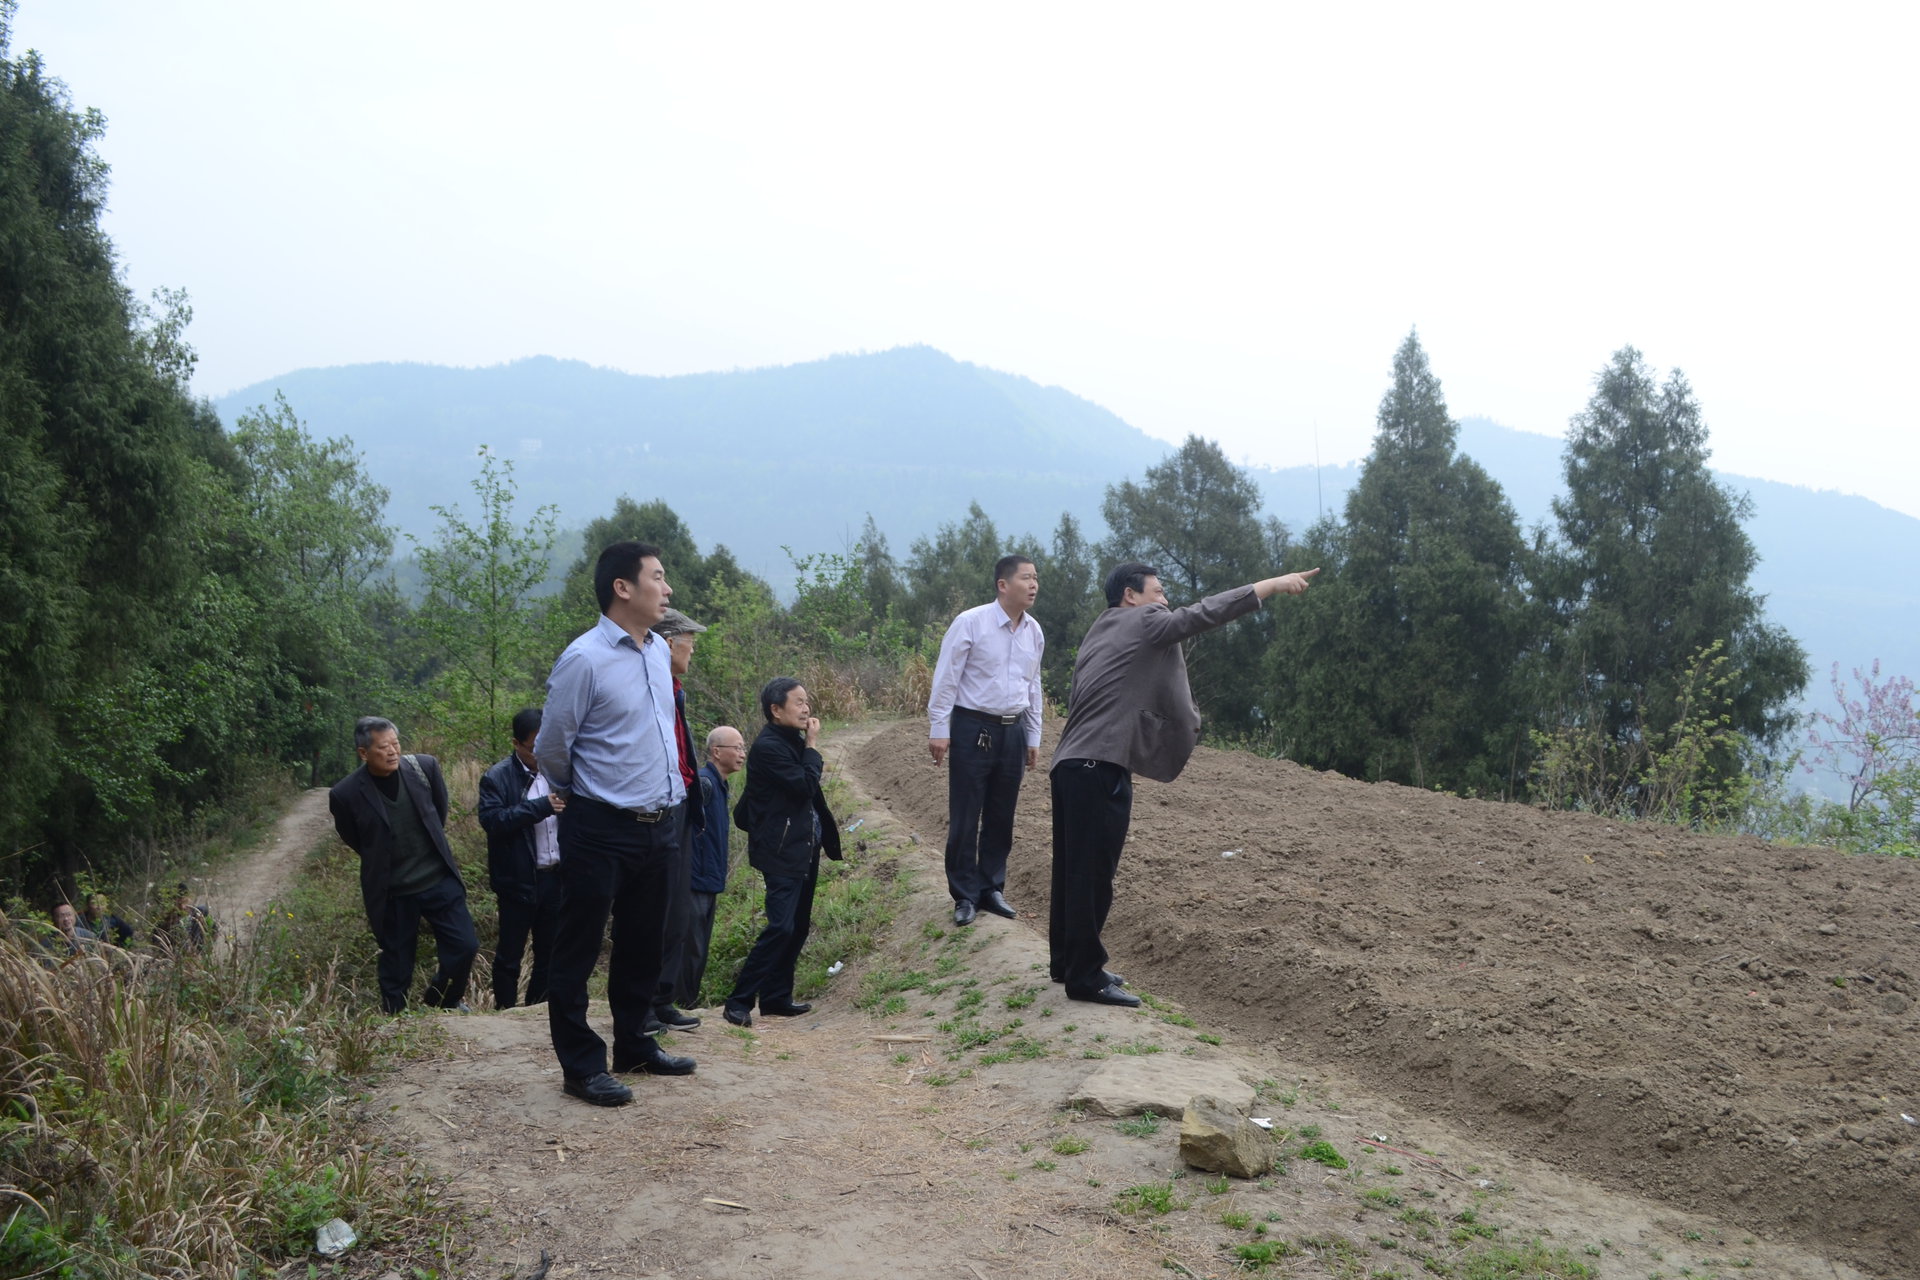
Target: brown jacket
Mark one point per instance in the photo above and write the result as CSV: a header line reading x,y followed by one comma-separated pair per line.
x,y
1130,703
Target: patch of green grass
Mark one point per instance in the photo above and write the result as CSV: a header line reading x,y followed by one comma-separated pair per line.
x,y
1531,1261
1309,1131
1467,1226
1219,1186
1045,1166
1323,1153
1148,1197
1262,1253
1207,1037
969,1000
1021,1048
1235,1220
1022,998
1178,1020
1381,1198
1144,1125
1137,1050
1070,1146
880,989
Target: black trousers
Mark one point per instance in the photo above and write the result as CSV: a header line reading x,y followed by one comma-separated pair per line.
x,y
983,784
526,915
673,939
693,960
1092,806
444,908
767,973
612,868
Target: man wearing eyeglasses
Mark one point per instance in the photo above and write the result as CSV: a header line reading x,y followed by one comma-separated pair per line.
x,y
726,754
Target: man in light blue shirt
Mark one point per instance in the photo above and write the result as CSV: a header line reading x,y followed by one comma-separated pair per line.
x,y
607,743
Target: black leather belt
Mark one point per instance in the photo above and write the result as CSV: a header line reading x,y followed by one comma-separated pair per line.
x,y
638,815
988,715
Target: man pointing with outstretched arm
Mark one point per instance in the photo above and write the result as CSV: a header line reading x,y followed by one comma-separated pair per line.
x,y
1130,711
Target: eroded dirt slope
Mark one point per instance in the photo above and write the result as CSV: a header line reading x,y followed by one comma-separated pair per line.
x,y
1717,1023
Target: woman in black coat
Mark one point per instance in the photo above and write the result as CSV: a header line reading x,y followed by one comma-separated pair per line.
x,y
788,825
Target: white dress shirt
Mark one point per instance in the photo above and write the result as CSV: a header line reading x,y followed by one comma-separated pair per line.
x,y
988,662
546,832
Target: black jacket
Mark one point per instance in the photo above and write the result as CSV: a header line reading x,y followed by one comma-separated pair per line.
x,y
360,816
780,804
508,818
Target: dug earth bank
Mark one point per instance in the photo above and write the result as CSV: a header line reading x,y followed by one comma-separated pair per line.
x,y
1662,1052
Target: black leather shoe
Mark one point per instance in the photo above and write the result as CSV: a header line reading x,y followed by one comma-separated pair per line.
x,y
1113,979
996,902
654,1061
963,912
1108,995
788,1010
674,1020
737,1016
601,1090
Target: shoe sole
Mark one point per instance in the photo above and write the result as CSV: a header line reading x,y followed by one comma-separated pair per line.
x,y
601,1102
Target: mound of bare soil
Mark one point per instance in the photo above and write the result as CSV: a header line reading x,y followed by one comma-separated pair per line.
x,y
1714,1023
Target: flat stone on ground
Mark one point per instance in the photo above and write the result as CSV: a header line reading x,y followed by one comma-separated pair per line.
x,y
1126,1085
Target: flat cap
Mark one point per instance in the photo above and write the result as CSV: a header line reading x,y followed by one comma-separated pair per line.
x,y
676,623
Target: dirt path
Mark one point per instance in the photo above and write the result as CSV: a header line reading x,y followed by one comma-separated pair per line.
x,y
871,1142
243,889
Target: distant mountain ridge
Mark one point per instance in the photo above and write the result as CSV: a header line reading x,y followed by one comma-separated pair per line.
x,y
797,456
759,459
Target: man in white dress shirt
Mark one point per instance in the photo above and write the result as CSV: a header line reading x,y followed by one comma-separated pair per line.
x,y
984,722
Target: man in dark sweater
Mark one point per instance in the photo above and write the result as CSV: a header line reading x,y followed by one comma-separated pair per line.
x,y
391,811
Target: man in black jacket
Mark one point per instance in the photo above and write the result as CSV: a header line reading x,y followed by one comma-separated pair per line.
x,y
788,824
517,811
391,811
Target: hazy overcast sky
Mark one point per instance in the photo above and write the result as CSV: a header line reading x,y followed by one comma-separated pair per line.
x,y
1208,218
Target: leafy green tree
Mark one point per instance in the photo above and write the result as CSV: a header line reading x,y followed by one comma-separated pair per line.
x,y
695,578
104,463
1196,517
1070,599
884,591
1651,570
309,538
1409,664
953,570
480,613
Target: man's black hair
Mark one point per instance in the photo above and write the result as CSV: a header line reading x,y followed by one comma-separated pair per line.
x,y
526,723
1131,576
621,560
774,694
1007,566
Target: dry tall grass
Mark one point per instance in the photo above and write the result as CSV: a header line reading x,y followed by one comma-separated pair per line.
x,y
162,1117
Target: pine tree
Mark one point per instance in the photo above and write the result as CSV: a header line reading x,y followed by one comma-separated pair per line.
x,y
1651,571
1410,658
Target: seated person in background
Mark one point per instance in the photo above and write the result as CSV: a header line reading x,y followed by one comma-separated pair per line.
x,y
183,924
69,932
787,823
103,924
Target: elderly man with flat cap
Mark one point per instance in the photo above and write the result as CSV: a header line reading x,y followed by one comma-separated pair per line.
x,y
673,992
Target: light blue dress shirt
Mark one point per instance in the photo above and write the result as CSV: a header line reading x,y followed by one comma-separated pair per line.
x,y
608,729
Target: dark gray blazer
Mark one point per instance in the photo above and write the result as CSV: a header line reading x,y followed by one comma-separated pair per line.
x,y
360,816
1130,704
